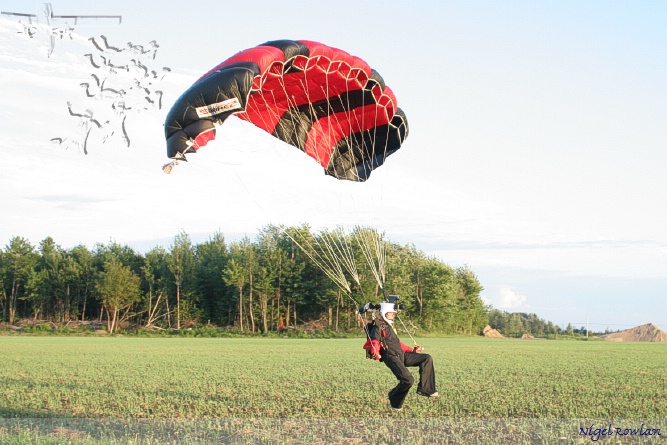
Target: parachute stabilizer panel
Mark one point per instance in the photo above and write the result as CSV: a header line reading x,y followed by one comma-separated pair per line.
x,y
320,99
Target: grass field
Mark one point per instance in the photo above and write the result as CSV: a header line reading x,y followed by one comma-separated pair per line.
x,y
269,390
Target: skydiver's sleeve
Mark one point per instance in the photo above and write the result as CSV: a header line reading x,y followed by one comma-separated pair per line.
x,y
406,348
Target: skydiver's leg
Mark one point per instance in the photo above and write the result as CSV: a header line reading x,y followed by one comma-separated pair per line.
x,y
426,384
405,381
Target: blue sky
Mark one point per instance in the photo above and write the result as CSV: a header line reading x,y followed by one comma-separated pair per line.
x,y
536,152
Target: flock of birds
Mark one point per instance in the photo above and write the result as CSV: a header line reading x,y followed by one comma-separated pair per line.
x,y
123,81
117,90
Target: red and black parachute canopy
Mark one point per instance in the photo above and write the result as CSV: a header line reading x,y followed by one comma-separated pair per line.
x,y
322,100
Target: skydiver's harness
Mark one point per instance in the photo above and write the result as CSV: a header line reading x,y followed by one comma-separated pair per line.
x,y
368,346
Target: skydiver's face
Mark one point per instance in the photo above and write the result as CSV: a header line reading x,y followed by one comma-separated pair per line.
x,y
390,315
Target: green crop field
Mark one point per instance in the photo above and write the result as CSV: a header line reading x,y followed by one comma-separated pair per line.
x,y
269,390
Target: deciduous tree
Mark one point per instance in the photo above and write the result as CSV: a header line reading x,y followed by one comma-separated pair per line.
x,y
181,266
119,288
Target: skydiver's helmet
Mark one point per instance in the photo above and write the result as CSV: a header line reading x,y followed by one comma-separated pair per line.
x,y
385,308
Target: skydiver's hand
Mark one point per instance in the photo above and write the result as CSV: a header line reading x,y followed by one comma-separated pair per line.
x,y
417,349
376,356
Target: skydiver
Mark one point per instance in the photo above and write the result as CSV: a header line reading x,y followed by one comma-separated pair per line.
x,y
109,47
385,346
141,66
92,39
90,57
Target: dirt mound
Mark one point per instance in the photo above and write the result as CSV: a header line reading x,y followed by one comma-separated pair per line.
x,y
645,332
315,325
491,333
527,337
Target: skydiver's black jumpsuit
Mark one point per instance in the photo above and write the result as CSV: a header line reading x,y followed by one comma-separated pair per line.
x,y
395,356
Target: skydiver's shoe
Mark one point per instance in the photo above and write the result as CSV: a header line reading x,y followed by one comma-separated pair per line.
x,y
396,409
434,395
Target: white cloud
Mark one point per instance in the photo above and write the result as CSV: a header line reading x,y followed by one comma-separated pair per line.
x,y
508,298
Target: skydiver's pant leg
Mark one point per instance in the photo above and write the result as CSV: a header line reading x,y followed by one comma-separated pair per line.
x,y
405,381
426,371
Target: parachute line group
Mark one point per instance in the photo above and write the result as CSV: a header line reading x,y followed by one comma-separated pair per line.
x,y
332,250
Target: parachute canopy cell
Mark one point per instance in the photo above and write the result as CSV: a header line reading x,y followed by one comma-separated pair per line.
x,y
322,100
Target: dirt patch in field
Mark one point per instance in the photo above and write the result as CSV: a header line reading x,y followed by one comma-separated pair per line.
x,y
67,433
645,332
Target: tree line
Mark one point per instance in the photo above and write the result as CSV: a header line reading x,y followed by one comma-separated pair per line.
x,y
515,324
261,285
